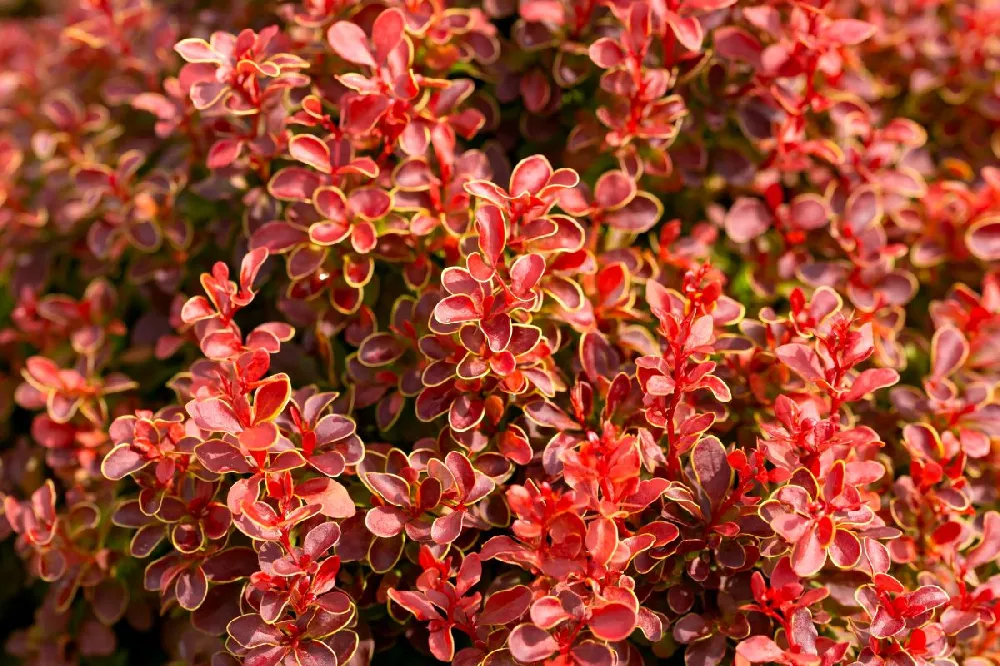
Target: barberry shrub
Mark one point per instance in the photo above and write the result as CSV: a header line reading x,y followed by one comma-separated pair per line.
x,y
564,332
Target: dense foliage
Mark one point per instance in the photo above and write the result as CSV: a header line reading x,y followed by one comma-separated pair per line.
x,y
584,332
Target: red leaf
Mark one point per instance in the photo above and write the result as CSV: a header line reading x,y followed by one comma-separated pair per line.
x,y
393,489
122,461
498,331
747,219
460,281
637,216
885,625
871,380
456,309
530,175
44,372
529,644
321,538
845,551
223,153
536,90
808,553
363,237
331,203
310,150
387,33
294,184
350,43
688,30
362,112
466,413
270,399
250,630
446,529
221,345
205,94
614,189
330,496
734,43
195,309
221,457
314,653
385,521
514,447
370,203
927,597
191,588
548,612
506,606
492,232
862,210
613,622
380,349
277,237
760,649
197,50
988,547
260,437
416,603
606,53
983,239
525,274
803,359
602,539
809,211
442,644
711,468
215,415
949,351
328,233
849,32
